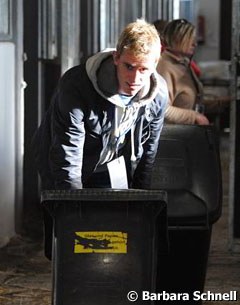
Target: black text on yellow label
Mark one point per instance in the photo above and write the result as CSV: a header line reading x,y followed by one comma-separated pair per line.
x,y
100,242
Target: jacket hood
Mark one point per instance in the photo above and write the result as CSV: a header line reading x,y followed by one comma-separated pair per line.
x,y
102,73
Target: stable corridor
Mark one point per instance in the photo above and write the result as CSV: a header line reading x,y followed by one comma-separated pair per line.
x,y
25,274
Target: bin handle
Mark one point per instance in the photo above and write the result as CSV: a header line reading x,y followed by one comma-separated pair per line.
x,y
204,226
95,194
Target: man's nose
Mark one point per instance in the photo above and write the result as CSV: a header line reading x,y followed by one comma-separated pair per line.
x,y
136,76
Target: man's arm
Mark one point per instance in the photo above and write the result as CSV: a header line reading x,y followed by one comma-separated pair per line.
x,y
142,175
68,135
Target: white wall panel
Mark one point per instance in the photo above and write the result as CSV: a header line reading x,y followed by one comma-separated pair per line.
x,y
7,141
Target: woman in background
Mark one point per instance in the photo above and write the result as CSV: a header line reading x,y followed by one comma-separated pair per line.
x,y
185,89
160,25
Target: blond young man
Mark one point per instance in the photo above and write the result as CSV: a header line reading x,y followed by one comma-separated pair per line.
x,y
103,126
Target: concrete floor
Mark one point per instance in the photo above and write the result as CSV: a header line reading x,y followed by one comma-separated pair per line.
x,y
25,274
223,273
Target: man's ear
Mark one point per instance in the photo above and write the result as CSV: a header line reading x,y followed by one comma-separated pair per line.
x,y
116,57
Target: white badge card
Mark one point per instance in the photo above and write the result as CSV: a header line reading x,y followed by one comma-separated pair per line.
x,y
118,174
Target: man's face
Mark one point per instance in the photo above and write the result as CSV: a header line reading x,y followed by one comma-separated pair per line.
x,y
133,72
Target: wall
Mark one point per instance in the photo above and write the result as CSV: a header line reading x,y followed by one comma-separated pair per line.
x,y
211,11
7,147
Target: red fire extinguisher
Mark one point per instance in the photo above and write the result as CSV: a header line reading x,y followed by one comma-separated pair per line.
x,y
201,29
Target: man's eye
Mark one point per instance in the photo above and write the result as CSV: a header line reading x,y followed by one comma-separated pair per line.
x,y
143,70
129,67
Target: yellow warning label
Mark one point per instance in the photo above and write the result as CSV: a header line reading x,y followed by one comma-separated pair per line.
x,y
100,242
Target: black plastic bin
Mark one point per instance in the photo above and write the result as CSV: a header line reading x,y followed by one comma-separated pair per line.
x,y
188,168
105,243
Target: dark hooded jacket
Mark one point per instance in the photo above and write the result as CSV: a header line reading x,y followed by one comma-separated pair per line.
x,y
76,130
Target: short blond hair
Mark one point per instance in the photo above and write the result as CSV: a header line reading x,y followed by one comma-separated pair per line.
x,y
179,33
141,38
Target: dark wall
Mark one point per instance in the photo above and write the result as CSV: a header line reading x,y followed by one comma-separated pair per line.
x,y
225,29
31,207
41,77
